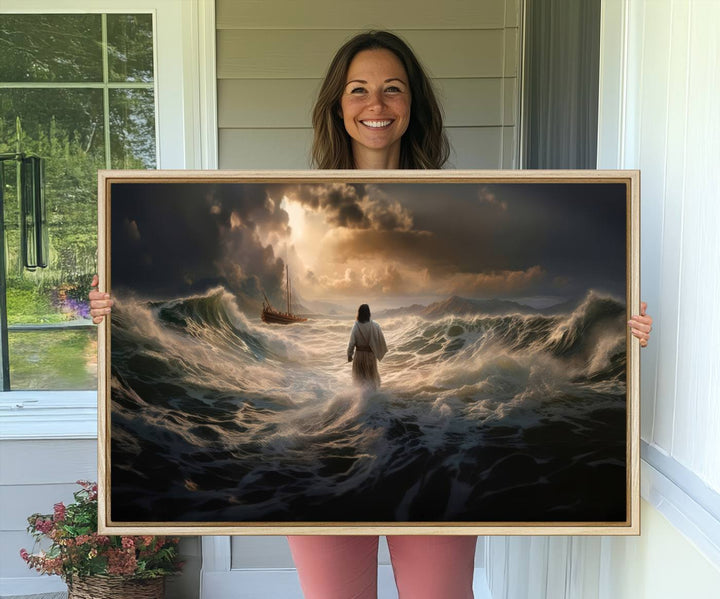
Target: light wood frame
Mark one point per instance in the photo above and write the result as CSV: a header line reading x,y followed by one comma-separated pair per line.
x,y
631,526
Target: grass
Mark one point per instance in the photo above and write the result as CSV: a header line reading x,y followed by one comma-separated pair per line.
x,y
28,306
55,359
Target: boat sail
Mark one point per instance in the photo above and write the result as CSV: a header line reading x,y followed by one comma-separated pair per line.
x,y
271,315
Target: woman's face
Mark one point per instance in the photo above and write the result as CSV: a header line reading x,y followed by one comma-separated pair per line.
x,y
375,105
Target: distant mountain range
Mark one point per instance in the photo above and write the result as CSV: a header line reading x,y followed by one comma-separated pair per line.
x,y
462,305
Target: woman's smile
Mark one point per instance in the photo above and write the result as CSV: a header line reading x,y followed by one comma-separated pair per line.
x,y
377,124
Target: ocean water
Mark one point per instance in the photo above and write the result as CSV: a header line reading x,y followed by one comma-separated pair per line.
x,y
218,417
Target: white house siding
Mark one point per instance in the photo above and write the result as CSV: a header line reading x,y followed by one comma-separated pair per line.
x,y
271,57
34,475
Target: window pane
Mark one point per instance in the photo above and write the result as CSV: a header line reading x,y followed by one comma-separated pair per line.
x,y
50,48
53,359
51,118
132,128
130,47
65,127
52,345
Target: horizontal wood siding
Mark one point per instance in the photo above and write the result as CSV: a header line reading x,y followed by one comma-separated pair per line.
x,y
264,148
271,58
34,476
396,15
306,54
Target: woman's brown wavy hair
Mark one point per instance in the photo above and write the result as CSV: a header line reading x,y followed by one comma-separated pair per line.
x,y
424,145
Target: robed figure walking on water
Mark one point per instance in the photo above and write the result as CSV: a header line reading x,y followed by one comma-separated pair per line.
x,y
367,342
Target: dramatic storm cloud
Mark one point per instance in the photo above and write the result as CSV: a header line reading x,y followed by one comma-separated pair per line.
x,y
179,238
353,240
489,240
353,206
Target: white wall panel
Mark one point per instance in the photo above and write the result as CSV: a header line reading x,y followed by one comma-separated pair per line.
x,y
510,100
333,14
652,117
475,102
669,127
511,59
510,143
268,103
47,462
253,53
672,226
697,420
11,564
513,12
19,501
260,552
475,147
265,148
34,476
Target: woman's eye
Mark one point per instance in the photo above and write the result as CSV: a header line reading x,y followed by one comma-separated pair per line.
x,y
357,90
393,89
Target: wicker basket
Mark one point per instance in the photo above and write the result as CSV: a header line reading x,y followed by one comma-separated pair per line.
x,y
116,587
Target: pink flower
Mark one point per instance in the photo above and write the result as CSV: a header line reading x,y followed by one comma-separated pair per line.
x,y
59,509
44,526
121,562
25,555
128,543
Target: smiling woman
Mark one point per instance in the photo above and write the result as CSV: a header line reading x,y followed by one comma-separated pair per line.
x,y
374,78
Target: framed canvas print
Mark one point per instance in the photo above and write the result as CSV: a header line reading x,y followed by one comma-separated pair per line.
x,y
369,352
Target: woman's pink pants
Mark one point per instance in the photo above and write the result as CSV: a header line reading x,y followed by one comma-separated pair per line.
x,y
345,567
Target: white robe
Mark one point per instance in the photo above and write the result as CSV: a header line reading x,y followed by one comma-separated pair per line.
x,y
367,333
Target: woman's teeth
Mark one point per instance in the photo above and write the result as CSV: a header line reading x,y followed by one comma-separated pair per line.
x,y
376,124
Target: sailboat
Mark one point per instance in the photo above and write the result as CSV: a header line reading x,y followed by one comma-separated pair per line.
x,y
271,315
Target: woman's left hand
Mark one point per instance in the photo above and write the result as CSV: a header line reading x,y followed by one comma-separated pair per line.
x,y
641,325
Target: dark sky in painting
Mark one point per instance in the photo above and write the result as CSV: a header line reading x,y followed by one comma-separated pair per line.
x,y
393,239
169,239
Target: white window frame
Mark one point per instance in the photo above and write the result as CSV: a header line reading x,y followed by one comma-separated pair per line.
x,y
186,130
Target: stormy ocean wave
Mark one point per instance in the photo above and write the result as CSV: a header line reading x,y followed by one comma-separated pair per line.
x,y
218,417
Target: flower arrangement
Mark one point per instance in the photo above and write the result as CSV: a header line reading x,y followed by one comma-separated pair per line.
x,y
78,551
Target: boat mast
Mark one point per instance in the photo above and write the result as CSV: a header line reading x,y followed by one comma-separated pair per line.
x,y
287,284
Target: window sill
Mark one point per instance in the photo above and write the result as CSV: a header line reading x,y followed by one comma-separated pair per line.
x,y
48,415
691,506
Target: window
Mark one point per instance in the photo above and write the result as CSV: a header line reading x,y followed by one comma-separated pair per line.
x,y
186,125
77,90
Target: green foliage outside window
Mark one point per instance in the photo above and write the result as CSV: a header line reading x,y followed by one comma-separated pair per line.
x,y
82,105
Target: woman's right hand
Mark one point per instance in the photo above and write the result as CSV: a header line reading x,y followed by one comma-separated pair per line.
x,y
100,303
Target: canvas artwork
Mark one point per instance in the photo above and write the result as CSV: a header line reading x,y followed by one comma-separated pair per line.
x,y
492,384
